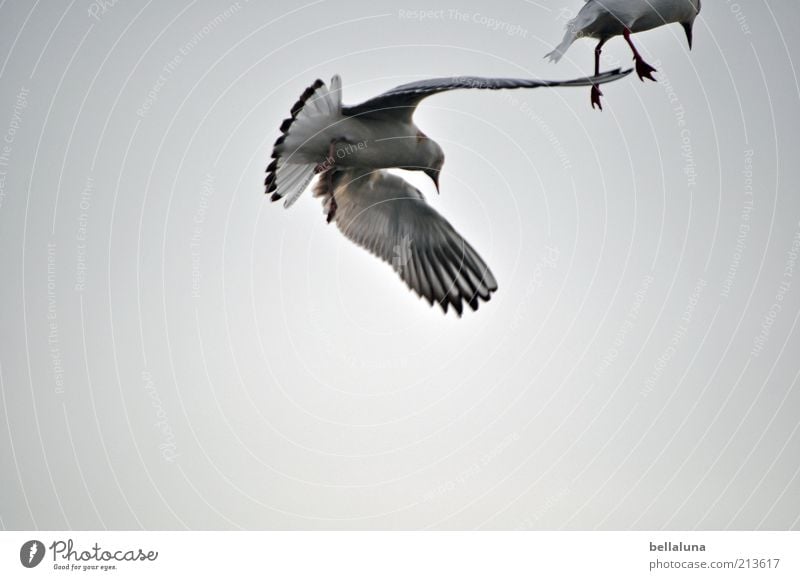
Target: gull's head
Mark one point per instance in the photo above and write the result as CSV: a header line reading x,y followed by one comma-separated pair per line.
x,y
688,24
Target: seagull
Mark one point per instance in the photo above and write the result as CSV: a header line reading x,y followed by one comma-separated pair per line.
x,y
350,148
379,133
389,217
604,19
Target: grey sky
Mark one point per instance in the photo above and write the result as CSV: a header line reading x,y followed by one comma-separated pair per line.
x,y
177,351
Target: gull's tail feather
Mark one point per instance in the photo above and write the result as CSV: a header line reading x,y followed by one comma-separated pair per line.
x,y
288,174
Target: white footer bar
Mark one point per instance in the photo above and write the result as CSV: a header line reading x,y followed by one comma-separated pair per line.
x,y
400,555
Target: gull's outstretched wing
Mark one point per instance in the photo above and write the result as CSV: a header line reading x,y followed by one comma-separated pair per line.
x,y
401,101
386,215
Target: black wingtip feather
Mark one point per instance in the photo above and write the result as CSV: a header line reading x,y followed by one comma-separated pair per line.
x,y
286,125
305,96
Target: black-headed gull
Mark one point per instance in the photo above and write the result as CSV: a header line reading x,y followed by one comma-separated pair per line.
x,y
379,133
386,215
604,19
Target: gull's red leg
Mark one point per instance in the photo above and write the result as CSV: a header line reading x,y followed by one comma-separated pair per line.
x,y
331,160
332,209
596,92
644,70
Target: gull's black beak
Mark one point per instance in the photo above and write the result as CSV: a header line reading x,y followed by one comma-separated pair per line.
x,y
687,28
434,175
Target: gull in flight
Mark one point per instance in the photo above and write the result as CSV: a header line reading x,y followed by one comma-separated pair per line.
x,y
350,147
604,19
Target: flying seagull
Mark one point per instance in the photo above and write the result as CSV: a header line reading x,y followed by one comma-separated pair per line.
x,y
350,147
386,215
378,134
604,19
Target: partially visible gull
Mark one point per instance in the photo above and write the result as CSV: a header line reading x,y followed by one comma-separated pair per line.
x,y
379,133
604,19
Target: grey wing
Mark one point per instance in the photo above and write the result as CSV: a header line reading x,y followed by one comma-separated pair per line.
x,y
387,216
408,96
